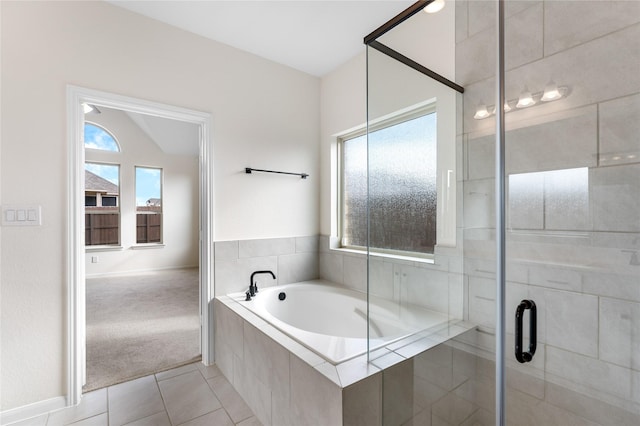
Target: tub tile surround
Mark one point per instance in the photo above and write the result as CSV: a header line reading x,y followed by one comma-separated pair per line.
x,y
285,383
281,380
572,243
437,286
291,259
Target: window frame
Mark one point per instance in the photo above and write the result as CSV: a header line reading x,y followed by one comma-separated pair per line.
x,y
383,122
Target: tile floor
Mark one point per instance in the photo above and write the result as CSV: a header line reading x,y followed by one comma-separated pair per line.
x,y
192,395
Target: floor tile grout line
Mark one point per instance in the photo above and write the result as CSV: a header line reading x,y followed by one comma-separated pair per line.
x,y
222,404
205,414
208,386
217,375
108,407
177,375
86,418
164,404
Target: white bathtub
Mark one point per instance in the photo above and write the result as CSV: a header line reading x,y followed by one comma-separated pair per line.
x,y
331,320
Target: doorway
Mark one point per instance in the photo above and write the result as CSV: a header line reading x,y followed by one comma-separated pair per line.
x,y
76,98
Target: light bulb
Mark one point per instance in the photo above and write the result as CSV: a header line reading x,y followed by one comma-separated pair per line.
x,y
525,100
434,6
481,112
551,93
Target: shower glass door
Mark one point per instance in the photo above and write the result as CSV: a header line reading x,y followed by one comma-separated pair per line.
x,y
572,223
573,211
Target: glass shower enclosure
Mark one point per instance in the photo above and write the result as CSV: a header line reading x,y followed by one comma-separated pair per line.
x,y
526,232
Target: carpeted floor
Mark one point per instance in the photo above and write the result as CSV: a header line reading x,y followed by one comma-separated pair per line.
x,y
141,324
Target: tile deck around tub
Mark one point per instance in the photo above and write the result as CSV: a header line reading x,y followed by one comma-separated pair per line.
x,y
190,395
357,368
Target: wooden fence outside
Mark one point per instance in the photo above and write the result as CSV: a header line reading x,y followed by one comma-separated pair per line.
x,y
102,225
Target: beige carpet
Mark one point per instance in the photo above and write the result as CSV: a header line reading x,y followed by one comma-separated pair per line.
x,y
141,324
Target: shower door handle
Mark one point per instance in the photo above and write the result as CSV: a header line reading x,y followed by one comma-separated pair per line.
x,y
521,356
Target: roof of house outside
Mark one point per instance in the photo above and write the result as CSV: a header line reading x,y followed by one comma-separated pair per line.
x,y
95,183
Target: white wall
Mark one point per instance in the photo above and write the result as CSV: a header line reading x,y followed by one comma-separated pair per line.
x,y
264,115
428,39
179,201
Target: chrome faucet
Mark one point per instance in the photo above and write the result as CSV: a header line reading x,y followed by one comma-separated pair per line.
x,y
253,287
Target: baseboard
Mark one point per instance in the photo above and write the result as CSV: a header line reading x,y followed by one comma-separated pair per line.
x,y
138,271
32,410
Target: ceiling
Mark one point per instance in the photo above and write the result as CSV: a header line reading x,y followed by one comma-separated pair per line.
x,y
315,37
311,36
171,136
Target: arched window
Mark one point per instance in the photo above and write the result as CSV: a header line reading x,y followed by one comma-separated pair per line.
x,y
96,137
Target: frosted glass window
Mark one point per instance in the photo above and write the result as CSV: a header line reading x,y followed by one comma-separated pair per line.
x,y
96,137
551,200
402,187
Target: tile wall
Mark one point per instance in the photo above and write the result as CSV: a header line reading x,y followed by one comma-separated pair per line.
x,y
279,379
573,212
437,286
292,259
285,383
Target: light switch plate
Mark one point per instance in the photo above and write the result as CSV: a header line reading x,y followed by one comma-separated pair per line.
x,y
21,215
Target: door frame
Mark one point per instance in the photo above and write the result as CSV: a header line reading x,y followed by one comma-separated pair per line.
x,y
76,325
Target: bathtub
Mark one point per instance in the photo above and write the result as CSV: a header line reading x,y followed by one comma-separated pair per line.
x,y
332,321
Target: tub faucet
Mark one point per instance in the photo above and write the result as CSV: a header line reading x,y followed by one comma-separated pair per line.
x,y
253,287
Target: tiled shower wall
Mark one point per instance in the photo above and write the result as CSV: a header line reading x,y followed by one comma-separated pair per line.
x,y
573,213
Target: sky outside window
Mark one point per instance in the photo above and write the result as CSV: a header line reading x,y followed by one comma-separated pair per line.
x,y
95,137
109,172
148,185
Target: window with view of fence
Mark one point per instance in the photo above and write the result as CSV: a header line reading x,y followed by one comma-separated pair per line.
x,y
148,225
101,228
148,205
102,206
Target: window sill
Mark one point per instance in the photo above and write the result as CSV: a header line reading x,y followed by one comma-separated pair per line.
x,y
417,259
90,249
147,246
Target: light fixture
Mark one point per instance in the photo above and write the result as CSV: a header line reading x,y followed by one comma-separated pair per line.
x,y
482,112
525,100
87,108
551,93
434,6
